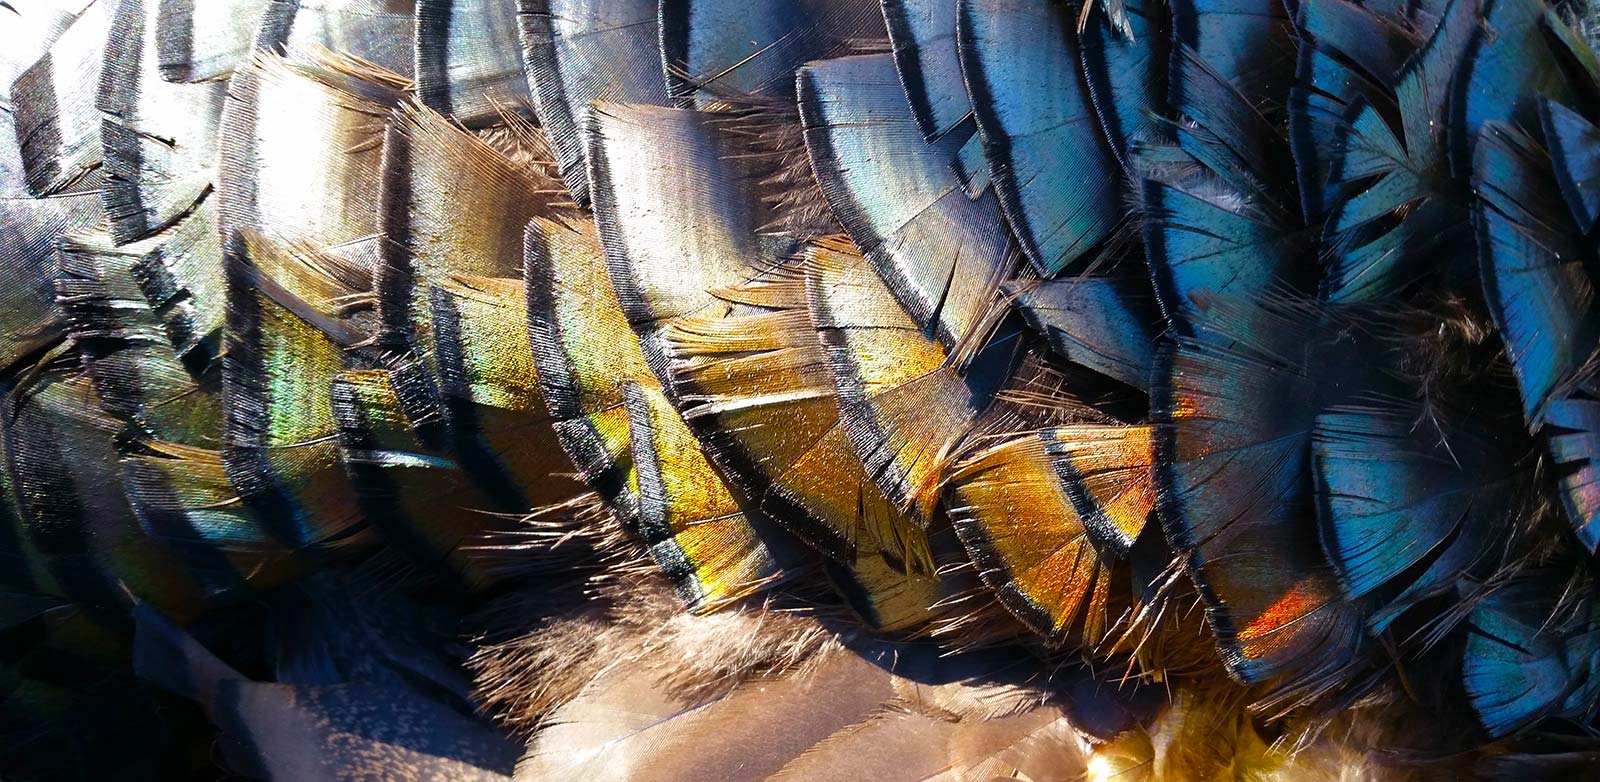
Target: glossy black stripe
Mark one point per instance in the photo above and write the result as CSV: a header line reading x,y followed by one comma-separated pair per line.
x,y
377,490
653,509
478,459
999,575
395,281
53,518
118,95
558,379
909,66
246,459
37,120
433,54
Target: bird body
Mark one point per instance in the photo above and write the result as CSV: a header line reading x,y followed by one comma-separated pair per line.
x,y
798,390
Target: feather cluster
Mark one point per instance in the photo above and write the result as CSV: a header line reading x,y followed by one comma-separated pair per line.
x,y
799,389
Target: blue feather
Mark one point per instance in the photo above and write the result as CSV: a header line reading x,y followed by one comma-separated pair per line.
x,y
1218,200
1235,396
1573,428
1574,145
1533,267
1234,408
1514,65
1391,202
972,168
1058,183
1125,75
1107,324
1249,42
941,253
1405,507
1526,658
714,49
1536,276
1402,222
923,36
1349,55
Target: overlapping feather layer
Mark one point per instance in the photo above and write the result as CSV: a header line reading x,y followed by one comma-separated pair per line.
x,y
799,390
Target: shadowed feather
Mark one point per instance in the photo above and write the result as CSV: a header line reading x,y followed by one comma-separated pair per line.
x,y
1538,271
